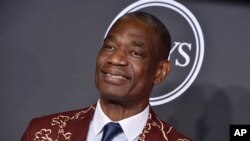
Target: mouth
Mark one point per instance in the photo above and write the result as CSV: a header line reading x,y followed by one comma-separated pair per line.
x,y
115,78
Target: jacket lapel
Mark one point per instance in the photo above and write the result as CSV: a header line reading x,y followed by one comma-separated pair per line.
x,y
154,129
81,126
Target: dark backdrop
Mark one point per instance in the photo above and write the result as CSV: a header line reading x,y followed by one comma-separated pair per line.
x,y
47,62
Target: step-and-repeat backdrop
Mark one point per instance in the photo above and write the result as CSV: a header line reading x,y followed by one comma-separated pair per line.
x,y
48,50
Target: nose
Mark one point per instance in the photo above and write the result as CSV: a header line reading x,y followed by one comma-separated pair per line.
x,y
118,58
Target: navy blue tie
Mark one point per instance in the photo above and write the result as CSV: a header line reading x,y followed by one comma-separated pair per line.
x,y
110,130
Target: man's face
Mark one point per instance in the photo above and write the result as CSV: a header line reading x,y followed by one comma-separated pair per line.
x,y
127,62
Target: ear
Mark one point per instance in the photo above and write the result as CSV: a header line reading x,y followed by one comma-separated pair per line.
x,y
162,71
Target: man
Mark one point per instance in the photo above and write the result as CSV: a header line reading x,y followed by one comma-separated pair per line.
x,y
132,59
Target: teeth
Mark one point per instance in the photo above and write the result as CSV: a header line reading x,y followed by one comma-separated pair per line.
x,y
116,76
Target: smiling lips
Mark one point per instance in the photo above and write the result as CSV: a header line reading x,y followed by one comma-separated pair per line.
x,y
115,78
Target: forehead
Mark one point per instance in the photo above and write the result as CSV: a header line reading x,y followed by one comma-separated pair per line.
x,y
132,27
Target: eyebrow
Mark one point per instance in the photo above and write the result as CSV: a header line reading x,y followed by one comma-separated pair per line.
x,y
138,44
135,43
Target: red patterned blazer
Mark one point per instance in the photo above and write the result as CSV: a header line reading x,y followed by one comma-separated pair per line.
x,y
73,126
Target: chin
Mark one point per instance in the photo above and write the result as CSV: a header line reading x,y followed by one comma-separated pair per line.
x,y
113,99
112,90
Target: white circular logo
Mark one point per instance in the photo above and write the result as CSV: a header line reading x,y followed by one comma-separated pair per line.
x,y
191,53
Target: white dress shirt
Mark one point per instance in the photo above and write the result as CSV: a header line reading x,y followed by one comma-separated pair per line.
x,y
132,126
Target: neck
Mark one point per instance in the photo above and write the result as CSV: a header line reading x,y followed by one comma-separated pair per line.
x,y
116,111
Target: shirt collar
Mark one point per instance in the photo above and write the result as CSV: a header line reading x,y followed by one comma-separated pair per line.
x,y
99,119
132,126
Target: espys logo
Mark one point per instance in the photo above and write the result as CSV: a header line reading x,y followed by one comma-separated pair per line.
x,y
187,51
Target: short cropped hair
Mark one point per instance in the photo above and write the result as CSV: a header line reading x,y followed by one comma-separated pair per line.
x,y
157,25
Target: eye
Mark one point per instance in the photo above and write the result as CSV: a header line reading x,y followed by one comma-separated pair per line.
x,y
108,47
137,54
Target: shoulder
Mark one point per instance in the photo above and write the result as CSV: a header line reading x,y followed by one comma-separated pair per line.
x,y
64,125
174,134
157,128
62,116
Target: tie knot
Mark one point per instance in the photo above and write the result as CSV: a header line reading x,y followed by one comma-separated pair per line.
x,y
110,130
112,125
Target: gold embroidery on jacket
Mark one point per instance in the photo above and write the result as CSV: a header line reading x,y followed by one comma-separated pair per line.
x,y
61,122
43,135
159,125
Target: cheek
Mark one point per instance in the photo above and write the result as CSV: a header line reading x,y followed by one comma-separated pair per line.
x,y
144,73
141,72
143,81
100,59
